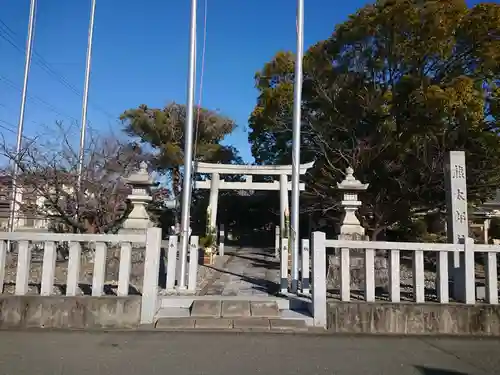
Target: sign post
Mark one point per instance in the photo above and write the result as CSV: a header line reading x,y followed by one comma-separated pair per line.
x,y
457,218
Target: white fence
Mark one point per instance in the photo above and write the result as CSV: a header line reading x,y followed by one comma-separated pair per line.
x,y
464,285
285,263
25,241
173,277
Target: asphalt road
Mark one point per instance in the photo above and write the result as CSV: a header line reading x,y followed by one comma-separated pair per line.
x,y
148,353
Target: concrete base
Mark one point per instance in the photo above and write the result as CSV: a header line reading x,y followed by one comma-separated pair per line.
x,y
413,319
86,312
70,312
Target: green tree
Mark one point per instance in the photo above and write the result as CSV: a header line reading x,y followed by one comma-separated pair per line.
x,y
162,130
389,93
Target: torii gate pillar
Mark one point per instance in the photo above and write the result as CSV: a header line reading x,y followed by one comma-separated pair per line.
x,y
214,199
284,205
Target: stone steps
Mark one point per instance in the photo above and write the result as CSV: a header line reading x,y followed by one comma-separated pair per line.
x,y
232,314
236,324
234,309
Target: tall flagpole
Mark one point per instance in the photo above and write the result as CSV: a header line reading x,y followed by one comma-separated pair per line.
x,y
188,146
297,101
27,64
85,97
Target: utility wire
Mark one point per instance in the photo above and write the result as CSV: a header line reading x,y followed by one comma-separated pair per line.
x,y
200,90
10,127
8,107
202,73
49,106
7,34
38,100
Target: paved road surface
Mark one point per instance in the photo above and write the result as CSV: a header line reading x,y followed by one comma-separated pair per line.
x,y
151,353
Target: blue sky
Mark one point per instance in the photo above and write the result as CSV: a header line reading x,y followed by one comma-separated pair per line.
x,y
140,55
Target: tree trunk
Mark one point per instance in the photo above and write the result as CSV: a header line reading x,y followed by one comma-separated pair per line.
x,y
376,232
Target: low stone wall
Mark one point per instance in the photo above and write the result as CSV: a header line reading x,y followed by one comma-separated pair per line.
x,y
83,312
413,319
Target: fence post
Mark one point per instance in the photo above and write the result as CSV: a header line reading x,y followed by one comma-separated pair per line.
x,y
23,268
3,260
99,276
221,240
151,273
75,253
125,268
284,266
305,272
491,278
193,264
469,272
277,242
318,245
464,279
48,268
171,262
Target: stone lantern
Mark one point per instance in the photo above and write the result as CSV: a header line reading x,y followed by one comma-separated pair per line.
x,y
138,220
351,227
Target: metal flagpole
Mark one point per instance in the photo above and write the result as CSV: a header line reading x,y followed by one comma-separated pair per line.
x,y
85,97
27,64
188,147
297,101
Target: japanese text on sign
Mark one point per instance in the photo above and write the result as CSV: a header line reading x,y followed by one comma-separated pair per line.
x,y
458,171
460,216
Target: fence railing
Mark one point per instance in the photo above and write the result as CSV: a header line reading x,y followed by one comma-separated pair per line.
x,y
464,277
49,243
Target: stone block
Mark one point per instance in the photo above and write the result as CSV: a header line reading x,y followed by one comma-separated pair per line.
x,y
62,312
413,319
12,310
209,323
481,292
231,309
264,309
205,308
252,324
175,323
288,325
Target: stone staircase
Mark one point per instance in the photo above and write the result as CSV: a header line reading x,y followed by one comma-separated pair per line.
x,y
234,313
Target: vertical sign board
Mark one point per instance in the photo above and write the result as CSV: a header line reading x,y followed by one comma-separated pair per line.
x,y
456,208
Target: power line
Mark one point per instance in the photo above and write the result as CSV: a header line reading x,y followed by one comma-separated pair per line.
x,y
6,32
11,129
11,109
49,106
44,103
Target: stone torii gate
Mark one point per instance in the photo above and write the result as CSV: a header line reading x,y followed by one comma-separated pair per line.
x,y
216,183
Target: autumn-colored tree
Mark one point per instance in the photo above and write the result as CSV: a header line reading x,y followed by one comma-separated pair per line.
x,y
393,89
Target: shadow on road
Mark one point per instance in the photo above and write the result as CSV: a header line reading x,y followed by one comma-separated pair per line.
x,y
437,371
